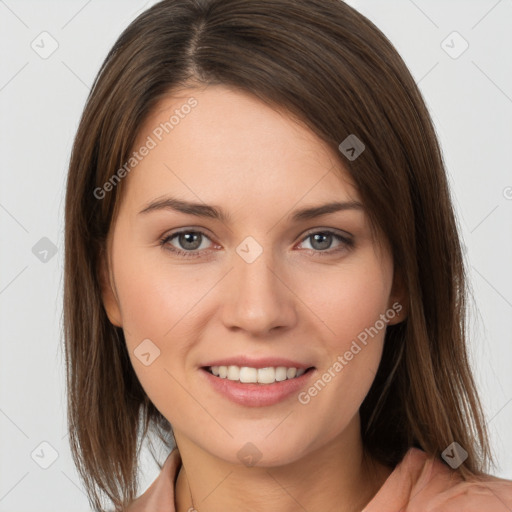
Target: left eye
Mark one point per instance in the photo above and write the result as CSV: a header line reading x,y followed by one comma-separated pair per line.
x,y
323,240
190,242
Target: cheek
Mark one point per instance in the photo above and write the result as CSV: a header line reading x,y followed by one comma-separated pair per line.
x,y
155,307
347,300
349,305
155,295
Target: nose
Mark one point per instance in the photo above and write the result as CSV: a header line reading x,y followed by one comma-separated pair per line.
x,y
258,298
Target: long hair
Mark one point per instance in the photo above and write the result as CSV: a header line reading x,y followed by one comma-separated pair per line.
x,y
333,70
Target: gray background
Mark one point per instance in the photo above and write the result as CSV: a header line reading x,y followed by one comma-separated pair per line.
x,y
41,99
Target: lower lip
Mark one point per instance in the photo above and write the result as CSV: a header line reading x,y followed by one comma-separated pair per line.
x,y
257,395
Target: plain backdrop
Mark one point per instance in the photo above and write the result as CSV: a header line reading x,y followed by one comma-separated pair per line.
x,y
468,91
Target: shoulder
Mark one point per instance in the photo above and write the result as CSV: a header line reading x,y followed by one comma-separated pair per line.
x,y
420,483
487,495
441,489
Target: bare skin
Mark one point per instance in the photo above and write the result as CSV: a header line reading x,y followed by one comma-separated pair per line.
x,y
300,299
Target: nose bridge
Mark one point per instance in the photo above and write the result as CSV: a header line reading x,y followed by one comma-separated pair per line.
x,y
258,298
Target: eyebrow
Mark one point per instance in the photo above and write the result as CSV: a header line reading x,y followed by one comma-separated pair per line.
x,y
215,212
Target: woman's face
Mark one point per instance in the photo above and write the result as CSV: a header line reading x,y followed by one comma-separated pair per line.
x,y
260,284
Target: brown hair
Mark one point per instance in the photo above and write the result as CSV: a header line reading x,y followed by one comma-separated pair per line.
x,y
333,70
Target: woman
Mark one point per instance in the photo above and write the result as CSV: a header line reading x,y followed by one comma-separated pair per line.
x,y
262,261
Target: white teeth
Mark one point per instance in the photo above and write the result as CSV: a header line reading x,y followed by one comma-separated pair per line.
x,y
280,373
246,374
265,375
233,373
291,372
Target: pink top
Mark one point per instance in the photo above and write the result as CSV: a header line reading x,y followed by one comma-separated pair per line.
x,y
417,484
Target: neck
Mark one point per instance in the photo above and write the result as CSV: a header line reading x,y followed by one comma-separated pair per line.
x,y
335,477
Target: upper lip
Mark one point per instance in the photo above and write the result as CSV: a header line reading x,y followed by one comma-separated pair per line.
x,y
263,362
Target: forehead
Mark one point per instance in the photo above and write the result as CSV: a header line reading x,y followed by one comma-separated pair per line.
x,y
216,142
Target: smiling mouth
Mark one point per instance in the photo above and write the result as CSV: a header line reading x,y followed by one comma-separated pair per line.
x,y
248,375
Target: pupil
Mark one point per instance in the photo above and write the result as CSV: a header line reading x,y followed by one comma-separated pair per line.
x,y
323,244
190,238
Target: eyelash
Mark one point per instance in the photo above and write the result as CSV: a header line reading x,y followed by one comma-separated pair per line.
x,y
348,243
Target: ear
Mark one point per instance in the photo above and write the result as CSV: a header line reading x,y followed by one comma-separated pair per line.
x,y
398,299
109,297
